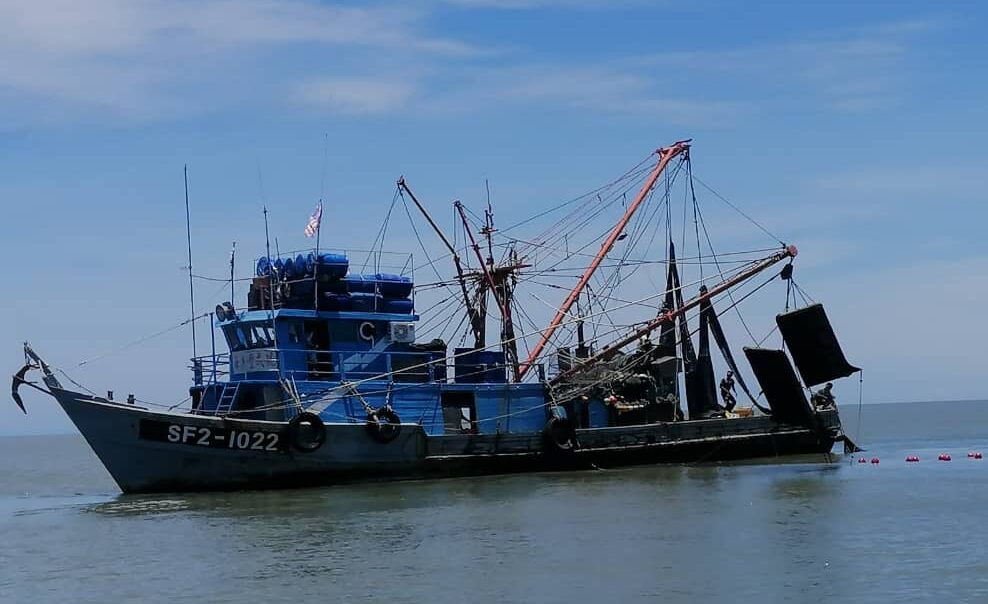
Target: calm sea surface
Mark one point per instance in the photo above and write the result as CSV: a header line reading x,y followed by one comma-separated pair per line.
x,y
801,531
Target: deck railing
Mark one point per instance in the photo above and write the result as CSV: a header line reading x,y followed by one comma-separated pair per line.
x,y
331,365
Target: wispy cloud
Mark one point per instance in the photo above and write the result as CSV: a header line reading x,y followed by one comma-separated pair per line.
x,y
129,57
851,70
146,59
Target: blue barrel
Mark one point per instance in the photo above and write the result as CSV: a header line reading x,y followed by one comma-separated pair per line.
x,y
334,265
363,284
393,286
263,266
361,302
279,267
301,265
289,268
334,302
398,307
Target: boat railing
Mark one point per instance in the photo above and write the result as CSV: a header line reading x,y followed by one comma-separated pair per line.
x,y
336,366
210,368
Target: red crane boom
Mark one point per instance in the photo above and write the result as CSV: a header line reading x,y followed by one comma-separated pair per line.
x,y
666,154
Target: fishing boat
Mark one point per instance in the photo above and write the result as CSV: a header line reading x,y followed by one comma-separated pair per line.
x,y
331,375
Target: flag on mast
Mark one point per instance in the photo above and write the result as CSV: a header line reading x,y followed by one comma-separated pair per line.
x,y
314,221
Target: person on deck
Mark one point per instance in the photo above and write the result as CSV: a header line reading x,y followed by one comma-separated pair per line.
x,y
824,398
726,388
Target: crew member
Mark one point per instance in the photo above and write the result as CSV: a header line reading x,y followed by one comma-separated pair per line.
x,y
824,398
726,386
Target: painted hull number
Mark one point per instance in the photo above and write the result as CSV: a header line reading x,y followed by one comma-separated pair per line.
x,y
212,437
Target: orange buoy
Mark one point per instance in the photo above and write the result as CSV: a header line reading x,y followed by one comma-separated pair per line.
x,y
970,454
912,458
944,457
874,460
862,460
977,454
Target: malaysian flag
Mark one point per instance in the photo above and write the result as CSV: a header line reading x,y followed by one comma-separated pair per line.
x,y
314,221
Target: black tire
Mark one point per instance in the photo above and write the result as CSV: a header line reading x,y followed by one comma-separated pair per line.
x,y
561,433
383,425
306,432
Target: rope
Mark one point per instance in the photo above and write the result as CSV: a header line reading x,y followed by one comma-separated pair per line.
x,y
738,210
857,435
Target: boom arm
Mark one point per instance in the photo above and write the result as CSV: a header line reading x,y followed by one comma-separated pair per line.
x,y
476,320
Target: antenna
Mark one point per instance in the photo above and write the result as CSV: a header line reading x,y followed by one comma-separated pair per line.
x,y
233,260
272,276
188,238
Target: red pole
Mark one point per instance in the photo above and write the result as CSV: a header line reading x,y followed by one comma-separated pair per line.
x,y
666,154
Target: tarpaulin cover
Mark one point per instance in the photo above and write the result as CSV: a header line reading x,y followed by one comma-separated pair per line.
x,y
813,345
782,390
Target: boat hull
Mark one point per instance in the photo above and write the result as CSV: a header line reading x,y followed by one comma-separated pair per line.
x,y
146,451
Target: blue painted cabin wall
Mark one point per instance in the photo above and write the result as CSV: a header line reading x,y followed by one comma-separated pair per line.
x,y
499,407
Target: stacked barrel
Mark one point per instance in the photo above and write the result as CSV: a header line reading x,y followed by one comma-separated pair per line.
x,y
295,286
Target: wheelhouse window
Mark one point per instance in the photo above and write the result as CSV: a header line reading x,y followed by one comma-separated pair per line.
x,y
247,336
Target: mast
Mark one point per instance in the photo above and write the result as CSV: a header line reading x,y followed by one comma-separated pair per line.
x,y
610,350
188,238
476,321
501,296
666,154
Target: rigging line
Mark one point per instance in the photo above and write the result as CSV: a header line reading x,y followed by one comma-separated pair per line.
x,y
629,360
639,232
627,174
156,334
217,279
656,261
696,212
581,217
767,336
391,388
379,238
516,338
452,303
713,253
433,307
432,263
857,435
600,207
802,292
439,328
738,210
133,343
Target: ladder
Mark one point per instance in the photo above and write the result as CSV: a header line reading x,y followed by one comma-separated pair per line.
x,y
227,397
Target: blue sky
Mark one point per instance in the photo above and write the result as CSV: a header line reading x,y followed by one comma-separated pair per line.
x,y
853,129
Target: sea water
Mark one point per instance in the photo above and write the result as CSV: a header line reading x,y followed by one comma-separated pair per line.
x,y
807,529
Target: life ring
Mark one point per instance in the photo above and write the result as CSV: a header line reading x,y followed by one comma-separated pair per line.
x,y
383,425
561,433
306,432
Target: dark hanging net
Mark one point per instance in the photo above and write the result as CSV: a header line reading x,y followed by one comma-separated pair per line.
x,y
813,345
782,390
